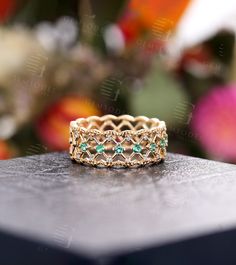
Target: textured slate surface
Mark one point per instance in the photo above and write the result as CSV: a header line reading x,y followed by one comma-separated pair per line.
x,y
102,211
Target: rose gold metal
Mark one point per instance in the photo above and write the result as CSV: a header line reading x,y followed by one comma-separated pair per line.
x,y
112,131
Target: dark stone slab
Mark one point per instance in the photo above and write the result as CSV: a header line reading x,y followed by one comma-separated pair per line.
x,y
182,211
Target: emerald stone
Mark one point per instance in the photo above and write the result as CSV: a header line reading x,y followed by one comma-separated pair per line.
x,y
83,147
163,143
153,147
100,148
119,149
137,148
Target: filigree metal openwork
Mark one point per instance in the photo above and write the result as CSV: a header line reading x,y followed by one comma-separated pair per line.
x,y
122,141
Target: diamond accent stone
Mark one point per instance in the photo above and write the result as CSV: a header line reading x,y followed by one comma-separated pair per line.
x,y
109,159
127,160
91,157
128,138
109,138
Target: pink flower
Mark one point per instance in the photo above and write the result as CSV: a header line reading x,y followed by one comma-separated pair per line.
x,y
214,122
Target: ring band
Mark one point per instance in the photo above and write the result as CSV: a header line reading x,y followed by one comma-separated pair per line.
x,y
122,141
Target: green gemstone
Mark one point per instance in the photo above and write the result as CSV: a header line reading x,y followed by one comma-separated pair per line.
x,y
119,149
83,147
137,148
100,148
163,143
153,147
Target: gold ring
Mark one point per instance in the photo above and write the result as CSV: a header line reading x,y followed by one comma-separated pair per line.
x,y
123,141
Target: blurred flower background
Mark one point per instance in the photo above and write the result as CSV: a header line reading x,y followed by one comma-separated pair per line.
x,y
61,60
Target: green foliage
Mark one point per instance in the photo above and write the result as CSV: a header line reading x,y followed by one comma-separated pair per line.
x,y
159,97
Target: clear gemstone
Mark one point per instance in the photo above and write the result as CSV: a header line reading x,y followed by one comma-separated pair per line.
x,y
127,160
109,159
109,138
128,138
91,157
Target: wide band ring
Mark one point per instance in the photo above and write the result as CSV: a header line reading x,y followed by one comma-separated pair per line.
x,y
122,141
